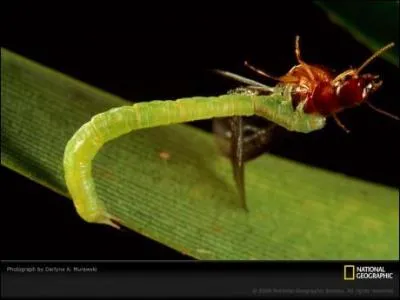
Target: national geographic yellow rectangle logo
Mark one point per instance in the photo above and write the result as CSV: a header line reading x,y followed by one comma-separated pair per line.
x,y
349,272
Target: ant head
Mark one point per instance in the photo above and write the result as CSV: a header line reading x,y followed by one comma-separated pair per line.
x,y
353,88
370,84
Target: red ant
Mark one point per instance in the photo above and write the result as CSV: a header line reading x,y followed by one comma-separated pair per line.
x,y
322,93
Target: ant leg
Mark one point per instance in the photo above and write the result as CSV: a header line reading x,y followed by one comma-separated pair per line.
x,y
251,128
259,90
251,90
300,61
256,135
297,51
342,75
335,117
261,72
382,111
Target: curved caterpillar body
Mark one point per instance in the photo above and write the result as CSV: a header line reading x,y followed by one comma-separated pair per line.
x,y
104,127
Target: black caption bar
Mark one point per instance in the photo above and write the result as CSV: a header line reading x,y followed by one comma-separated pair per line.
x,y
199,279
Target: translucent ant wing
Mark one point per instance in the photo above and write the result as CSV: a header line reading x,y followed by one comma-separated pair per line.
x,y
259,136
242,139
244,80
236,124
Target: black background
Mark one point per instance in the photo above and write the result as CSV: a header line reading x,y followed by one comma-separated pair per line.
x,y
164,52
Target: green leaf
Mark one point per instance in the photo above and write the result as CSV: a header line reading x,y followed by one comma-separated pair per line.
x,y
187,199
372,23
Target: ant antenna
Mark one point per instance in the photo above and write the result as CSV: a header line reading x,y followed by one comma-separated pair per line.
x,y
382,111
375,55
260,72
340,124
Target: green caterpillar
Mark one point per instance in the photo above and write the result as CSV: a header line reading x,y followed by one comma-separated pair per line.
x,y
106,126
